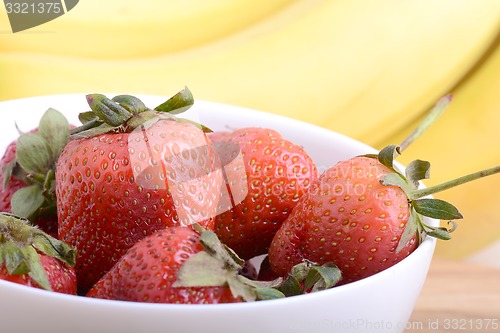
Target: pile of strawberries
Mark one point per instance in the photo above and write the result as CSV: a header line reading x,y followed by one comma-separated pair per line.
x,y
141,205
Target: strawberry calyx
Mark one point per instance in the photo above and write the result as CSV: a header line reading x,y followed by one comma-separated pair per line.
x,y
21,244
218,265
124,113
36,156
409,182
420,206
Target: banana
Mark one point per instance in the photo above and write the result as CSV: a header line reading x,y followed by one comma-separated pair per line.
x,y
466,139
130,28
328,65
365,69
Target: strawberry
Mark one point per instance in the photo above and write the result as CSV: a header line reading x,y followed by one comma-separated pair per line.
x,y
148,271
364,215
347,217
27,177
121,179
277,173
180,265
30,257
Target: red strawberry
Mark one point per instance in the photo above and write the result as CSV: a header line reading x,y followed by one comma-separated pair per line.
x,y
26,180
148,271
30,257
364,216
115,188
278,173
179,265
347,217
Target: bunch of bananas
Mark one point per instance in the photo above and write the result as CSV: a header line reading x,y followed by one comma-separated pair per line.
x,y
368,69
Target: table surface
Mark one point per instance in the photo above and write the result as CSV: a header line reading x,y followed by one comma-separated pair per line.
x,y
458,297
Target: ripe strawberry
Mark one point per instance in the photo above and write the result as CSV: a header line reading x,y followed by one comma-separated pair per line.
x,y
277,173
179,265
118,183
364,216
347,217
148,271
30,257
27,172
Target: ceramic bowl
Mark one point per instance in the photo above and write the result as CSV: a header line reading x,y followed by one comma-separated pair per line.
x,y
382,302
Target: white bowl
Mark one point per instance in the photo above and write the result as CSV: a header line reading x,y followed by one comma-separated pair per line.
x,y
382,302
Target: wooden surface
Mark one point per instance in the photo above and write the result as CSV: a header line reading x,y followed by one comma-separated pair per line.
x,y
458,297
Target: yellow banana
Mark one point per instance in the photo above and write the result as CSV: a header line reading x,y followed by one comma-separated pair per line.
x,y
130,28
328,65
466,139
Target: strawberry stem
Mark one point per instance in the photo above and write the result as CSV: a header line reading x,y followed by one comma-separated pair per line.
x,y
455,182
91,124
126,112
434,114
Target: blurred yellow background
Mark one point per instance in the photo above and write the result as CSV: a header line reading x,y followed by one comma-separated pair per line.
x,y
368,69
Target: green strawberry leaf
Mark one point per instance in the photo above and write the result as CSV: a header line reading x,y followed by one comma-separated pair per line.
x,y
13,258
107,110
54,247
213,245
131,103
436,208
54,128
7,171
291,287
27,200
395,179
387,155
92,131
260,284
417,170
201,270
36,270
439,233
268,293
24,260
301,270
322,277
178,103
241,290
87,117
34,154
411,228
